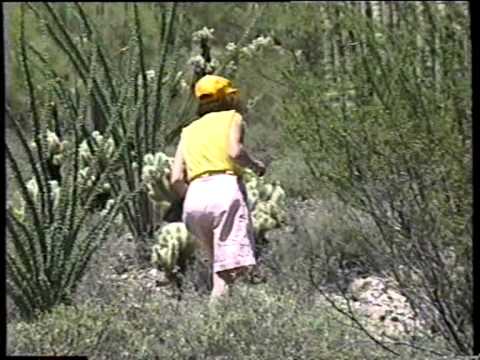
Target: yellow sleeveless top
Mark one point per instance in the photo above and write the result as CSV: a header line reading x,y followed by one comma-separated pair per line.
x,y
204,144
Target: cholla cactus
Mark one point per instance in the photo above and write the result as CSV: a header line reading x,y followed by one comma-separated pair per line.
x,y
256,45
261,41
198,63
253,193
203,34
203,63
17,206
262,222
150,74
85,178
231,46
212,66
173,246
103,148
55,148
231,68
32,188
54,144
266,201
155,175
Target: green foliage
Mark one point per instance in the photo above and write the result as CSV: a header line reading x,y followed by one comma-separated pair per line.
x,y
128,102
294,175
51,237
374,115
262,322
381,130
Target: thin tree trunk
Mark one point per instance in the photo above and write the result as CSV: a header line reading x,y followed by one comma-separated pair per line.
x,y
391,16
369,15
432,43
340,41
382,15
376,10
95,112
418,19
333,60
6,54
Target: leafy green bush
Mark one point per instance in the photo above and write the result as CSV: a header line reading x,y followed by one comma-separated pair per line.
x,y
386,131
263,322
294,174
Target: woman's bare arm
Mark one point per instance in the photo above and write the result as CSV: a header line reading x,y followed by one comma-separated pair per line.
x,y
237,151
177,176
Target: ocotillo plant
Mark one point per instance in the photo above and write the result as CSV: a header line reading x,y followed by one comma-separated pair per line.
x,y
52,238
135,95
130,98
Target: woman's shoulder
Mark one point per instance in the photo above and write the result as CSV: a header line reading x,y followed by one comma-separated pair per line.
x,y
236,116
213,117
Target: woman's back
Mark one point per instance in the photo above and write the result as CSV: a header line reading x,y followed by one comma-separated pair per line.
x,y
205,144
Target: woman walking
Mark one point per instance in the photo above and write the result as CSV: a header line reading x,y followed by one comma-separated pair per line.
x,y
209,158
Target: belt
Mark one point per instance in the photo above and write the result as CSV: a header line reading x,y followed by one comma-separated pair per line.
x,y
210,173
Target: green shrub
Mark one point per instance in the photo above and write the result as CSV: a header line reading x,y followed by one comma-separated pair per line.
x,y
386,131
263,322
294,174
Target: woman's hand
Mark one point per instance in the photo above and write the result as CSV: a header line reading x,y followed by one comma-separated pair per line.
x,y
237,151
259,168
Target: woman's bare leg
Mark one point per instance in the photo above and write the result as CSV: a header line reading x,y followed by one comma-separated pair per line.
x,y
222,280
219,280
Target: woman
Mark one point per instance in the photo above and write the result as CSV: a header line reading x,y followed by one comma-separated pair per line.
x,y
210,157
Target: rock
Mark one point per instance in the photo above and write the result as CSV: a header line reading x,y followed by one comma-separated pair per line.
x,y
366,288
153,273
386,310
